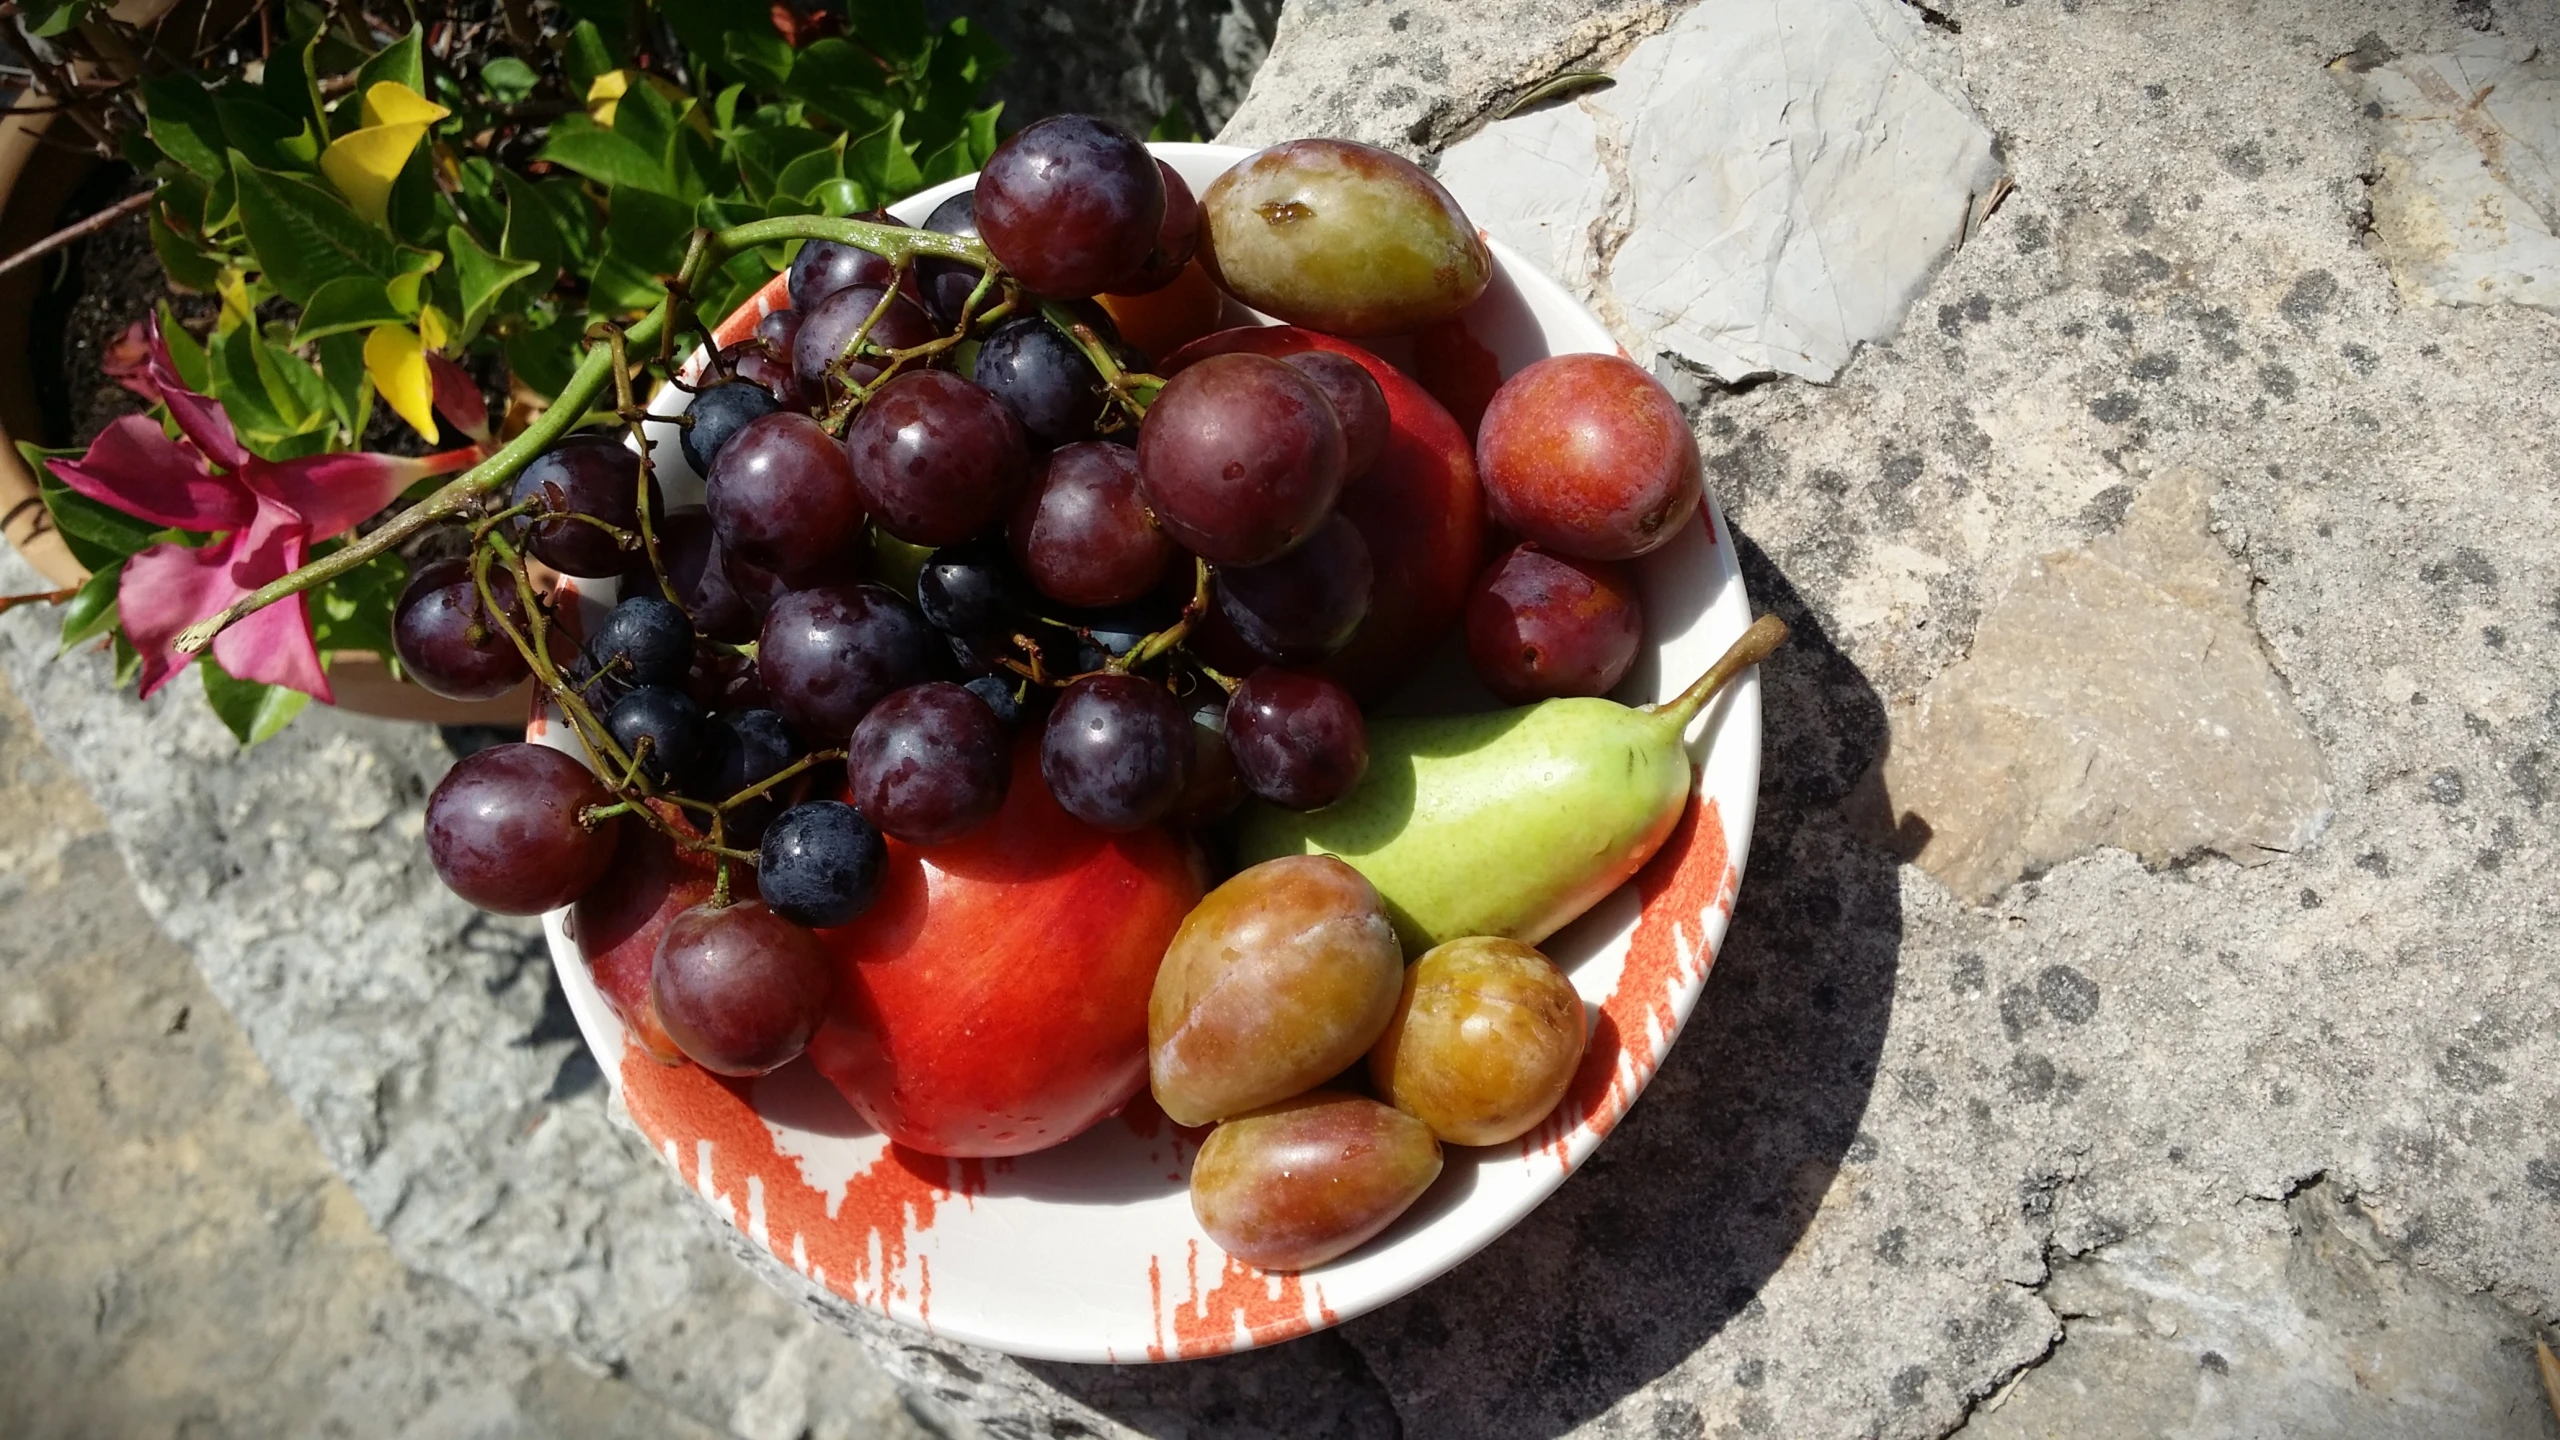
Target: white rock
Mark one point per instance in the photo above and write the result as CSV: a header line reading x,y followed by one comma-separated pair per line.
x,y
1765,186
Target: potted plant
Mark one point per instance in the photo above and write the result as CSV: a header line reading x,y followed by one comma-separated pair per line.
x,y
377,233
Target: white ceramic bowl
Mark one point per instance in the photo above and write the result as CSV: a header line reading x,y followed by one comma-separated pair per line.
x,y
1089,1251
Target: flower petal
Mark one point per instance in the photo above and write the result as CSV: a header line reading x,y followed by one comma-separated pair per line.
x,y
397,362
140,471
198,417
273,646
459,397
388,102
167,588
128,361
334,493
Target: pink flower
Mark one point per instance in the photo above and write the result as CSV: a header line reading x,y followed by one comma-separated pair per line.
x,y
269,514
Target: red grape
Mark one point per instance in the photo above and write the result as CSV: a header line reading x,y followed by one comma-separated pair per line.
x,y
929,764
1303,606
947,284
935,458
1359,406
824,267
446,639
740,989
1541,626
828,655
1215,789
782,498
819,356
1039,374
1082,531
503,829
718,412
1241,458
772,370
1176,237
1298,739
969,590
1116,752
586,474
776,331
1589,456
1071,205
689,550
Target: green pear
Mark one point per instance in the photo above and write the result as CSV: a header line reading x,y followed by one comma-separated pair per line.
x,y
1513,822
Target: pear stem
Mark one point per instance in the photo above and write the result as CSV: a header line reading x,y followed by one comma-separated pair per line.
x,y
1754,645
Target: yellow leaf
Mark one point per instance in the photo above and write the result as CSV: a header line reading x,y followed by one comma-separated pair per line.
x,y
431,327
388,102
603,92
233,286
404,291
363,164
398,365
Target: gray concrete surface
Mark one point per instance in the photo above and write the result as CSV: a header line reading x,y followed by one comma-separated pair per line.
x,y
2023,1135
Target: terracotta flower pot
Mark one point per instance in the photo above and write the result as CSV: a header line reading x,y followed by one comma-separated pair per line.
x,y
35,182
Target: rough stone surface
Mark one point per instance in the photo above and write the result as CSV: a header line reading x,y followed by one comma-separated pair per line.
x,y
1134,61
2116,695
2468,196
1763,188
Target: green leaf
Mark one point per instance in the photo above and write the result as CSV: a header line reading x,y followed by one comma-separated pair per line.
x,y
97,535
607,157
543,356
649,120
508,79
839,197
350,391
348,303
293,385
304,236
403,61
254,712
842,83
531,231
481,277
257,130
243,392
763,154
724,108
417,212
1173,125
644,240
46,21
806,173
353,612
184,123
286,87
92,612
184,352
585,56
897,29
967,151
186,264
884,163
128,662
762,58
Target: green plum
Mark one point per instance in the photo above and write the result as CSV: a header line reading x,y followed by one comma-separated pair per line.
x,y
1484,1041
1341,237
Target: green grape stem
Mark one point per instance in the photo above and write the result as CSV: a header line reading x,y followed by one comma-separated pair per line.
x,y
603,364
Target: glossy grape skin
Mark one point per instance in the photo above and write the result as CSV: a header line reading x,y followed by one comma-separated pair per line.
x,y
1310,1179
1298,739
947,283
1486,1036
584,474
829,327
969,590
740,749
668,719
617,922
502,829
1541,626
1071,205
1116,752
1277,981
935,458
645,641
782,498
1164,320
1240,458
1036,372
1305,605
1589,456
446,639
820,863
772,370
1001,695
1082,531
1215,789
1177,237
823,267
690,551
1341,237
828,655
719,412
776,330
929,764
1359,406
740,989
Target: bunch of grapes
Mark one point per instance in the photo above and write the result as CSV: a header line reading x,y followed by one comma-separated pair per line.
x,y
946,506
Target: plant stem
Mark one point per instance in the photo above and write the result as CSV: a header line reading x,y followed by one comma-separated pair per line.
x,y
78,229
1753,646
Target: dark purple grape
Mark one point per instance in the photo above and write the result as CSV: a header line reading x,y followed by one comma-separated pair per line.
x,y
772,370
759,587
947,284
644,641
503,829
1542,625
690,552
1240,458
1071,205
976,655
446,639
1176,237
1303,606
928,764
667,720
776,331
1298,739
1082,531
824,267
740,750
783,499
1215,789
935,458
828,655
1003,699
719,412
1039,374
827,331
970,590
820,864
586,474
739,989
724,682
1359,406
1116,752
